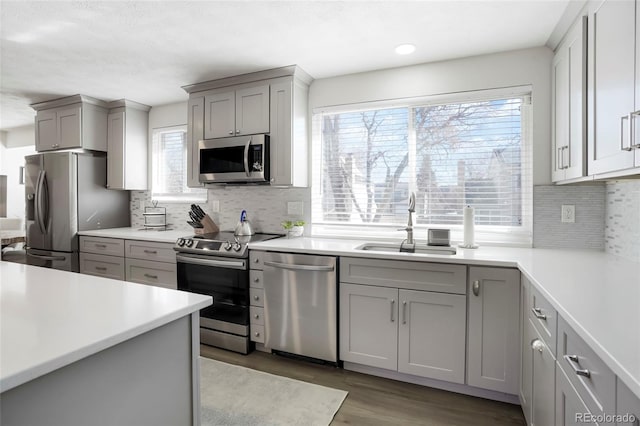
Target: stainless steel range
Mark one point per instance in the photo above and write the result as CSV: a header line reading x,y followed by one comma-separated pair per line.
x,y
217,265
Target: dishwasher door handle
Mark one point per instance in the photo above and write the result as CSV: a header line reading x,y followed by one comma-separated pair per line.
x,y
300,267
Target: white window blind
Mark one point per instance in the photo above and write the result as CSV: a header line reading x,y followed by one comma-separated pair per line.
x,y
169,167
451,154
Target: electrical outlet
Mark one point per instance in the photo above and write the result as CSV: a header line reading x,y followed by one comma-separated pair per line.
x,y
568,213
215,206
295,208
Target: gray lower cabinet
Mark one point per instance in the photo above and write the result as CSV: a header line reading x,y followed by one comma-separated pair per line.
x,y
570,410
493,346
414,332
627,406
543,369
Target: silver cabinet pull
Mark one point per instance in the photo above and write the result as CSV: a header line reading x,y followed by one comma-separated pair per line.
x,y
538,313
475,287
574,362
101,268
101,245
256,316
154,277
151,251
256,280
256,297
231,132
622,147
633,129
404,312
393,302
537,345
257,334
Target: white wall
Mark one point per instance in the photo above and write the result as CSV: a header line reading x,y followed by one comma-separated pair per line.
x,y
515,68
14,145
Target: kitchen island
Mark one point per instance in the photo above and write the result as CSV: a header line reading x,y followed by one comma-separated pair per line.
x,y
78,349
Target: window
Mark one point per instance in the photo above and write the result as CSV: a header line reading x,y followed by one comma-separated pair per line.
x,y
169,167
455,153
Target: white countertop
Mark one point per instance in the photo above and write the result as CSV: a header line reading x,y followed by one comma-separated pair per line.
x,y
169,236
598,294
50,318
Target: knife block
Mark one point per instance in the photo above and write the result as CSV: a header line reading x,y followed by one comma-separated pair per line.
x,y
208,226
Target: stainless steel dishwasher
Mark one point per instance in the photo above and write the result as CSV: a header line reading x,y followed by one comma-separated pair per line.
x,y
300,305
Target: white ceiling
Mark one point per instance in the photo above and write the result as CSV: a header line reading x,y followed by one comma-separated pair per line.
x,y
146,50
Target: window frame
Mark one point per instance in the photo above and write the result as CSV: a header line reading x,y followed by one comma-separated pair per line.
x,y
521,236
196,195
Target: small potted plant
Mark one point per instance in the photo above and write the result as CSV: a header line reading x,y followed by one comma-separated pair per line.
x,y
293,228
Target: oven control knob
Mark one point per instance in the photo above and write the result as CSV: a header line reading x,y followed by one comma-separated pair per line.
x,y
180,242
188,243
237,246
227,245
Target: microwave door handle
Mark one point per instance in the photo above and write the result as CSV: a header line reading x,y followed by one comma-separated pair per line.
x,y
246,157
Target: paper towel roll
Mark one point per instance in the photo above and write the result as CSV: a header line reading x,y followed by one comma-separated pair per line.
x,y
469,225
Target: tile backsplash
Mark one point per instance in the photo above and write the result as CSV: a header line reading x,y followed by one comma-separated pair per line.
x,y
266,207
622,222
588,230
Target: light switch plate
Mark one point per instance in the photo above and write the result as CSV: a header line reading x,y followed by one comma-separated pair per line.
x,y
568,213
295,208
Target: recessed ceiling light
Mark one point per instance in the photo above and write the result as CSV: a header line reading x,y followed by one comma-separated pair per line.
x,y
405,49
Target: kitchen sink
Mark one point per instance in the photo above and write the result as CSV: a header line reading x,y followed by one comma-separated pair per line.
x,y
419,248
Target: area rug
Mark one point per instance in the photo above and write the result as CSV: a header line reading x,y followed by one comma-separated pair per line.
x,y
234,395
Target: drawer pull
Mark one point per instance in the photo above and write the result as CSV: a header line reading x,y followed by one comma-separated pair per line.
x,y
256,297
256,316
538,313
537,345
257,260
101,245
154,277
100,268
393,302
574,362
256,280
404,312
476,288
151,251
257,334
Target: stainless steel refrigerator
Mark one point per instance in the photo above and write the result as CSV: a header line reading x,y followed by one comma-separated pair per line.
x,y
66,193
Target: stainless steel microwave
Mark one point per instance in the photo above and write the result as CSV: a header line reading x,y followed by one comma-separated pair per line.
x,y
240,159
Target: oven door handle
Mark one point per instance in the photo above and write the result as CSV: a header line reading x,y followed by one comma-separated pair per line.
x,y
234,264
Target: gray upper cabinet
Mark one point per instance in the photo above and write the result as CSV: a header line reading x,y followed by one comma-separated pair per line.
x,y
612,27
195,132
272,102
237,112
569,104
72,122
127,141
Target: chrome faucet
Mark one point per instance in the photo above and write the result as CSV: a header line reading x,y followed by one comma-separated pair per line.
x,y
412,208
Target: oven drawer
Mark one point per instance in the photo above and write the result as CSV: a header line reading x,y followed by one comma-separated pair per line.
x,y
255,279
102,266
593,380
145,250
256,258
257,333
100,245
257,296
160,274
256,315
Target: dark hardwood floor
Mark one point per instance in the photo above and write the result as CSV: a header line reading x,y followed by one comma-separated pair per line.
x,y
378,401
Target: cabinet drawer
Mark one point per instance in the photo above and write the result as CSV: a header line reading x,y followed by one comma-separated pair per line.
x,y
102,265
569,406
438,277
257,333
257,296
256,315
544,318
592,379
161,274
256,258
101,245
255,279
145,250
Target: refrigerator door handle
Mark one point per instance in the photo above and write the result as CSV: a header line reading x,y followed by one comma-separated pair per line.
x,y
42,201
43,257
